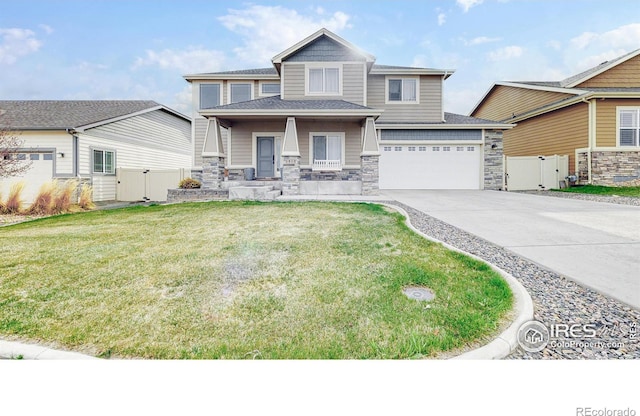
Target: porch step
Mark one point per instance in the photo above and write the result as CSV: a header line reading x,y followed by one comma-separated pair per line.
x,y
254,193
275,184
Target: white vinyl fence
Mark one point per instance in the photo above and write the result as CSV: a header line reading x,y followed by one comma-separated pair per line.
x,y
525,173
147,184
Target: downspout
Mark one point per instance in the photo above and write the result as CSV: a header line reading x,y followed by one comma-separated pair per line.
x,y
76,153
591,137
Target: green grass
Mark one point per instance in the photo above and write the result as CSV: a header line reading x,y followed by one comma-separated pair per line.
x,y
242,280
631,191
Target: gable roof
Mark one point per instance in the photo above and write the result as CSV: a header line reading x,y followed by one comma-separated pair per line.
x,y
277,60
568,85
577,79
61,115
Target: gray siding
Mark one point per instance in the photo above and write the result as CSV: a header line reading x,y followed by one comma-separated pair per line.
x,y
242,139
431,135
353,138
155,130
428,110
352,83
325,49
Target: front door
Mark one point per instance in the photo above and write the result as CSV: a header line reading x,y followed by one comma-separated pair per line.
x,y
266,157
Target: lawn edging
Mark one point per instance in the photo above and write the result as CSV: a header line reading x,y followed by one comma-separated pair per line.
x,y
18,350
505,343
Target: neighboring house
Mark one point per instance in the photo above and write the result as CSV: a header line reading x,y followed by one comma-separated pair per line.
x,y
90,140
325,119
593,117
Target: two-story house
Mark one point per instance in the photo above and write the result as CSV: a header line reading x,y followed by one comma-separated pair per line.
x,y
324,119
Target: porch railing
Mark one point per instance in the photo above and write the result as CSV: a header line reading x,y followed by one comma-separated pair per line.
x,y
327,165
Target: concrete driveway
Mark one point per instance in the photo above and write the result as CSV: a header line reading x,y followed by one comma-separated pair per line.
x,y
593,243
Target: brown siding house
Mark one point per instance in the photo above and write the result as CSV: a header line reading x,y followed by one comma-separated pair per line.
x,y
593,117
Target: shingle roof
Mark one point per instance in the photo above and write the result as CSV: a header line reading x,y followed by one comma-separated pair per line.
x,y
255,71
449,118
65,114
276,103
393,67
572,79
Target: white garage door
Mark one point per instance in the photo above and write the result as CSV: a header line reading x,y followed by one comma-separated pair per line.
x,y
430,167
41,171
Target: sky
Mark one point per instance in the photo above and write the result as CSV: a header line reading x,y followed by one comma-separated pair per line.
x,y
140,49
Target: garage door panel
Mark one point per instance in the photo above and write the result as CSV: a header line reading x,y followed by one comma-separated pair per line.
x,y
430,167
40,171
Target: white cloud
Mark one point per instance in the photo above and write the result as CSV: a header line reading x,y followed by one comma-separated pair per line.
x,y
555,45
267,31
442,18
193,59
15,43
47,29
467,4
506,53
623,37
480,40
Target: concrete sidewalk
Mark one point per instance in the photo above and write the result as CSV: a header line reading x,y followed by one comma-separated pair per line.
x,y
592,243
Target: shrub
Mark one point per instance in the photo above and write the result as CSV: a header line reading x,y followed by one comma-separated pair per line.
x,y
62,198
44,200
85,201
2,206
14,200
189,183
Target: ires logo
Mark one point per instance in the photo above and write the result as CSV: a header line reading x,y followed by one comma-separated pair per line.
x,y
572,330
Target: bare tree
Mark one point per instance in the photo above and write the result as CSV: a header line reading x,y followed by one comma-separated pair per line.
x,y
11,163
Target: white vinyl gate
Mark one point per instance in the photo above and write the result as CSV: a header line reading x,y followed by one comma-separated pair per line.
x,y
524,173
147,184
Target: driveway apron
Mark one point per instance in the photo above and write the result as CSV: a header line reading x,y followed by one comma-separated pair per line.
x,y
594,244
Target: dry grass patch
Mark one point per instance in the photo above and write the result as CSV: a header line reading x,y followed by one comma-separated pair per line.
x,y
242,280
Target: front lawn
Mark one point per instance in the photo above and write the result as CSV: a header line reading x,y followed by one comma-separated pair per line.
x,y
242,280
632,191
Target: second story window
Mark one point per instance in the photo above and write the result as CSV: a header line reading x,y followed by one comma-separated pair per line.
x,y
324,81
269,88
209,95
402,90
240,92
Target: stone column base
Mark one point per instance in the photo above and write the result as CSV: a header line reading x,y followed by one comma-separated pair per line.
x,y
212,172
291,175
370,175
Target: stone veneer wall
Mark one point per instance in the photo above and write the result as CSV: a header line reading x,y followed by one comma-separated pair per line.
x,y
343,175
493,160
370,175
612,168
193,195
583,167
212,172
291,175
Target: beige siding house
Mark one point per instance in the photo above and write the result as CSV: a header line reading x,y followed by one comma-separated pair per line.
x,y
91,140
324,118
592,117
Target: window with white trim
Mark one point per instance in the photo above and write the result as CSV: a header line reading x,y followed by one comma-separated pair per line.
x,y
629,127
104,161
210,95
269,88
323,80
327,151
239,92
402,90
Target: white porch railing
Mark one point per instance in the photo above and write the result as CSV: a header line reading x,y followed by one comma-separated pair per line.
x,y
327,165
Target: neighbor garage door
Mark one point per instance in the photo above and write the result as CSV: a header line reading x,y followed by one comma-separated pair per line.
x,y
430,166
41,171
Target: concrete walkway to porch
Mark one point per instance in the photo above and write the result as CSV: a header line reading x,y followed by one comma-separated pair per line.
x,y
352,198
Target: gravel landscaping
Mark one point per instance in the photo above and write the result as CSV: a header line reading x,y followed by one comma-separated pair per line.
x,y
556,299
621,200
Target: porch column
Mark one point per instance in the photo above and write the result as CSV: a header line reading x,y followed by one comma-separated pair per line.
x,y
369,158
290,159
493,160
213,157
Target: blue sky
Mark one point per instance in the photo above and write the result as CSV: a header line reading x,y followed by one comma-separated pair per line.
x,y
139,49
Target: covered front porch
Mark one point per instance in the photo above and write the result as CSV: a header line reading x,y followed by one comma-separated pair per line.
x,y
304,154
